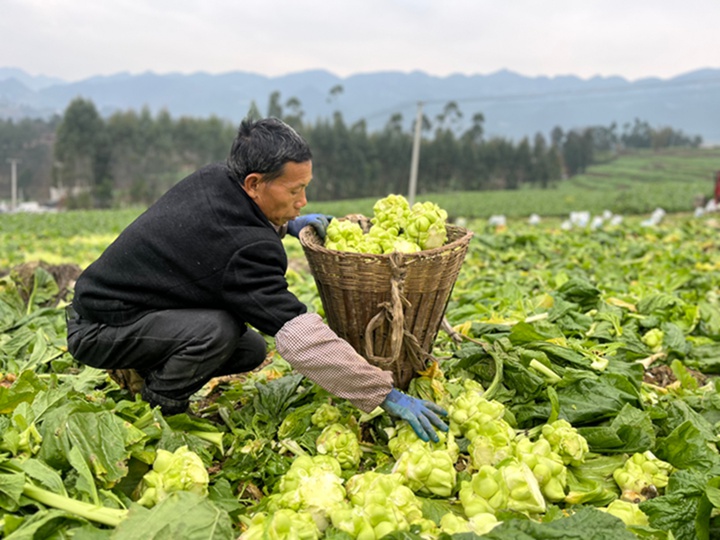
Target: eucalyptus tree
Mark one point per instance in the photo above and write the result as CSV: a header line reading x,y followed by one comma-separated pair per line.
x,y
577,151
274,109
294,114
253,112
522,163
393,148
84,148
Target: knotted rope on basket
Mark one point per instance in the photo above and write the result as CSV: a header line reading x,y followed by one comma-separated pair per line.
x,y
394,312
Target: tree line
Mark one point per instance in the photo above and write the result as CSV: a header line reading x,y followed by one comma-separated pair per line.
x,y
133,157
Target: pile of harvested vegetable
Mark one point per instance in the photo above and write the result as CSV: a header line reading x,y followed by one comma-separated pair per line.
x,y
395,226
581,402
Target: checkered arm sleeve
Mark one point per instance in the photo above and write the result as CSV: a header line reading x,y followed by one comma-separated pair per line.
x,y
317,352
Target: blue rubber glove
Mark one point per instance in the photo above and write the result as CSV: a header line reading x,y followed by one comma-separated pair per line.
x,y
420,414
318,221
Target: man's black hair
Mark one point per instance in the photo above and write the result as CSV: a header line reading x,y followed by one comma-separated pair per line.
x,y
264,146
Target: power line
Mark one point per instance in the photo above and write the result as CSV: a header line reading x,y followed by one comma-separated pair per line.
x,y
530,96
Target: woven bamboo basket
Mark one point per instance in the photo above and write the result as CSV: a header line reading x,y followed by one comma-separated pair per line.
x,y
388,307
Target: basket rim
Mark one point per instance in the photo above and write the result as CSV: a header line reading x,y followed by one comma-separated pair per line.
x,y
316,246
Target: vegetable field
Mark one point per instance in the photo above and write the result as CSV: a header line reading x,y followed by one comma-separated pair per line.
x,y
578,377
631,184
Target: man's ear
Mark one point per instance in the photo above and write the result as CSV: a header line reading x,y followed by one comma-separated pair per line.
x,y
252,183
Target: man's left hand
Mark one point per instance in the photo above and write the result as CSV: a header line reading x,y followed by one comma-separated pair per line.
x,y
319,222
422,415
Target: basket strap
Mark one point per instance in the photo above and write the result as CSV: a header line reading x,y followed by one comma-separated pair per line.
x,y
394,312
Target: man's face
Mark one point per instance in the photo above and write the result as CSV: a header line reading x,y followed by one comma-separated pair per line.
x,y
282,198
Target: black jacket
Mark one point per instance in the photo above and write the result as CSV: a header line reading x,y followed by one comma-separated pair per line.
x,y
204,243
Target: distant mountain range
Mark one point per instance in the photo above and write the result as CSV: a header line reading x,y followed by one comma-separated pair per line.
x,y
514,106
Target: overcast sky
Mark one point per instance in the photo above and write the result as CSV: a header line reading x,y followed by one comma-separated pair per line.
x,y
75,39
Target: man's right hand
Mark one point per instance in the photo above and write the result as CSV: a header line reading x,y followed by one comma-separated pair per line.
x,y
420,414
318,221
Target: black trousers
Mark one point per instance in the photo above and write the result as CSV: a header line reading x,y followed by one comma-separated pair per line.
x,y
175,351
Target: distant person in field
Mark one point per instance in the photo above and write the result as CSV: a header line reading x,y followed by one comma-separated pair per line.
x,y
717,187
172,301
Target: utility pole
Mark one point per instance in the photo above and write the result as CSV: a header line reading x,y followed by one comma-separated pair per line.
x,y
13,183
415,155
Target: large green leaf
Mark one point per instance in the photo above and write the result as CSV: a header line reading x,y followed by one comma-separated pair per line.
x,y
586,524
101,438
630,431
11,486
181,515
587,400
